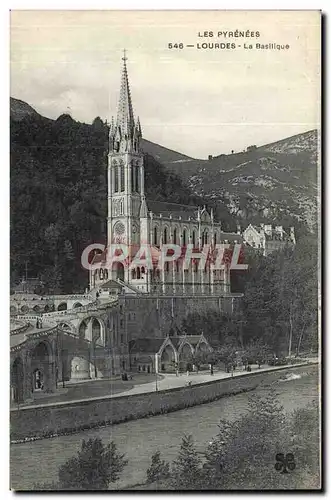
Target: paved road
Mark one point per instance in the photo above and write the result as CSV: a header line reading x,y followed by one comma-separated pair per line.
x,y
141,384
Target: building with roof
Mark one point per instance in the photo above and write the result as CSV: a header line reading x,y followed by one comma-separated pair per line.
x,y
167,354
268,239
134,220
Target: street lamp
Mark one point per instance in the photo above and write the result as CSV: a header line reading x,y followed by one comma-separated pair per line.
x,y
156,370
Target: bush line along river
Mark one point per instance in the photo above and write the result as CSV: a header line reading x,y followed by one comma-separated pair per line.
x,y
39,461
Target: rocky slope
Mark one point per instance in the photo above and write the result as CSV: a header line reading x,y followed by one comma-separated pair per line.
x,y
276,182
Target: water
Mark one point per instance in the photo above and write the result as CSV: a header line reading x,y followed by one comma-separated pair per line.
x,y
39,461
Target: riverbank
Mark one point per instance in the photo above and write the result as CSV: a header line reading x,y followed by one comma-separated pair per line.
x,y
53,420
39,461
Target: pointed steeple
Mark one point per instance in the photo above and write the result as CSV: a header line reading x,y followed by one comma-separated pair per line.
x,y
125,134
125,118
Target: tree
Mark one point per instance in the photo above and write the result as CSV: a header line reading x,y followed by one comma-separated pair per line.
x,y
159,469
241,450
186,469
94,467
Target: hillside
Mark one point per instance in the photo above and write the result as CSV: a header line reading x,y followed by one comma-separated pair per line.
x,y
20,109
276,182
58,194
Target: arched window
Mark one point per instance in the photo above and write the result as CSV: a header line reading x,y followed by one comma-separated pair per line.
x,y
184,238
122,176
155,236
215,238
133,274
137,179
101,274
165,236
132,178
175,236
105,274
193,238
138,273
205,238
115,178
196,266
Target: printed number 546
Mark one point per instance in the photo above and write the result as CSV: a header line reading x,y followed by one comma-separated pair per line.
x,y
175,45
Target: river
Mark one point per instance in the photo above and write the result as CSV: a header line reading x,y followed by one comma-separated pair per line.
x,y
38,461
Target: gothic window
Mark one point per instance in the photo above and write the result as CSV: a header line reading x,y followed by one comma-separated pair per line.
x,y
215,238
133,274
155,236
101,274
193,238
117,146
115,178
122,176
167,266
165,236
137,179
205,238
138,273
105,274
132,178
175,236
184,238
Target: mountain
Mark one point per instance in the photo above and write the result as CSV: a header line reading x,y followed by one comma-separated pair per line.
x,y
273,183
58,194
276,182
20,109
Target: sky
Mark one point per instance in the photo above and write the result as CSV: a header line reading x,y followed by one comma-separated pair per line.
x,y
195,101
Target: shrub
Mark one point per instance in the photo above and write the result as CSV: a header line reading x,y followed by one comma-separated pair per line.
x,y
159,469
94,467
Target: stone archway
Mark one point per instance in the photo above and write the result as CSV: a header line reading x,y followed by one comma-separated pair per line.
x,y
82,330
77,304
202,348
168,359
63,306
17,380
119,271
185,357
42,368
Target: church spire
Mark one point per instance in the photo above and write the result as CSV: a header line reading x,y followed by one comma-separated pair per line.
x,y
125,118
125,134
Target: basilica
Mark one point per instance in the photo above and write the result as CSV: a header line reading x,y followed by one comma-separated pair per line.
x,y
134,220
130,318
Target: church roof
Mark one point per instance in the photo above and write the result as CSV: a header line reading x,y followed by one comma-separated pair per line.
x,y
175,210
231,237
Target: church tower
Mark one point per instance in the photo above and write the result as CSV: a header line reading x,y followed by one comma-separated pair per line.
x,y
125,170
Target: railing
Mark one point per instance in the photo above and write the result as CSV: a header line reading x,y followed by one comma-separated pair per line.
x,y
85,296
20,329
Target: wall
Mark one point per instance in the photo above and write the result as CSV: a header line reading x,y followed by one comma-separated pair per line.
x,y
62,418
153,316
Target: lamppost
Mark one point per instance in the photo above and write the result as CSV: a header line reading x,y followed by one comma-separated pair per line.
x,y
156,370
